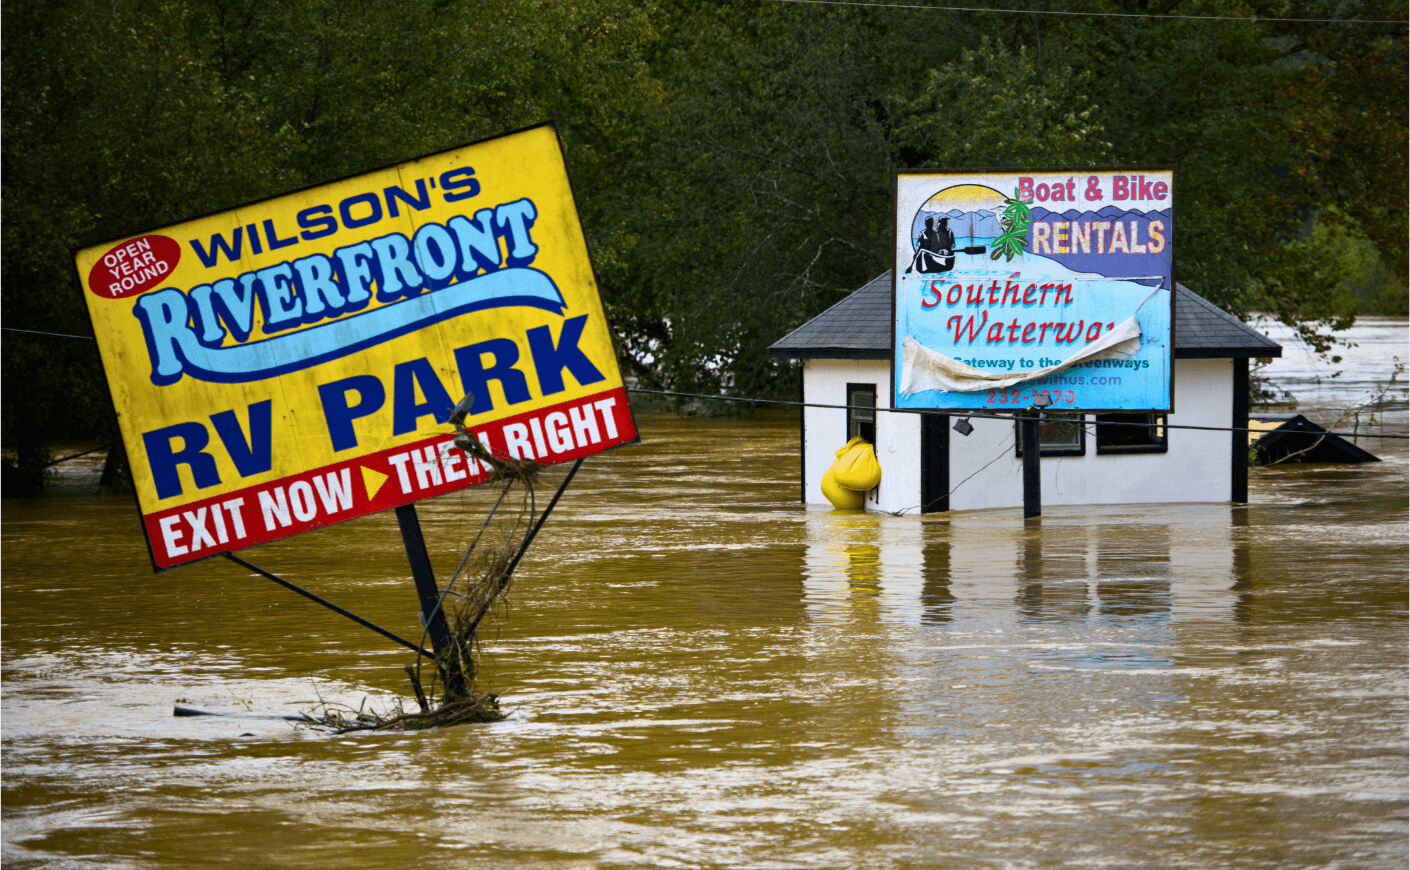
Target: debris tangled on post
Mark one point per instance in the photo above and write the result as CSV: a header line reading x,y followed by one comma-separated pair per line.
x,y
446,694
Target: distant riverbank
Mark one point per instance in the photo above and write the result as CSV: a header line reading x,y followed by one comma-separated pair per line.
x,y
1371,369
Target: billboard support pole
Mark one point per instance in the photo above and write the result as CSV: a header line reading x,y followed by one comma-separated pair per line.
x,y
432,615
1032,481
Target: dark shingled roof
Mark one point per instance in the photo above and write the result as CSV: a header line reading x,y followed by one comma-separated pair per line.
x,y
1203,330
859,327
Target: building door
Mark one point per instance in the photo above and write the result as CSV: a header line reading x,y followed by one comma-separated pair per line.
x,y
934,463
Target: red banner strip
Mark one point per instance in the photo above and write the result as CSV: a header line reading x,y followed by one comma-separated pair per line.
x,y
378,481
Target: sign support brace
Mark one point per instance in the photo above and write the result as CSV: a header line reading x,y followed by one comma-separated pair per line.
x,y
328,604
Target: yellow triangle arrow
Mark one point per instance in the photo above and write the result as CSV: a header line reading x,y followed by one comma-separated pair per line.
x,y
373,481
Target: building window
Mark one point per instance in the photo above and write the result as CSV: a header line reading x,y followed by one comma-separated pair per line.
x,y
861,412
1131,433
1058,435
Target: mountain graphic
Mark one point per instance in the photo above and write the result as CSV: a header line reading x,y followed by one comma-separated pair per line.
x,y
985,223
1105,213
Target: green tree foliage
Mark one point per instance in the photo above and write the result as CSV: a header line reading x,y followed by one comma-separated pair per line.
x,y
111,123
764,196
1275,128
121,116
760,195
999,107
733,161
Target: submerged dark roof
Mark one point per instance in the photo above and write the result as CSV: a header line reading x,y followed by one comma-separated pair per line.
x,y
859,327
1298,439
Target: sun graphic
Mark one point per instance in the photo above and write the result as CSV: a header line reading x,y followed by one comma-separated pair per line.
x,y
965,197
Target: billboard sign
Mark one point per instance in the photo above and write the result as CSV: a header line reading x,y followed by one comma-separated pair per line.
x,y
1014,283
292,363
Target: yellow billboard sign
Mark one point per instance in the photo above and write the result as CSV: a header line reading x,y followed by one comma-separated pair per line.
x,y
291,363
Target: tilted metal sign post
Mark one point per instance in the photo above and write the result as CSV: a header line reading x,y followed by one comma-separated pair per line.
x,y
1024,288
292,363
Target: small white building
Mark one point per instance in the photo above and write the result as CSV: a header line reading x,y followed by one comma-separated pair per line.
x,y
927,465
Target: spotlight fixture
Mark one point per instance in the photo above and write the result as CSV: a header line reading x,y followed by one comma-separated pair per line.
x,y
463,407
1042,400
962,426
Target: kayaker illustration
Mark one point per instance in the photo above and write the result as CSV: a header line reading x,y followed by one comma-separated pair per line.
x,y
935,249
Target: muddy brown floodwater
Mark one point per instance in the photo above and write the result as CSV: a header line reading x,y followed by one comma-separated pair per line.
x,y
704,673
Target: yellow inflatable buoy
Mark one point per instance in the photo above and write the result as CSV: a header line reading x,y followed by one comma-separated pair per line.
x,y
842,498
856,466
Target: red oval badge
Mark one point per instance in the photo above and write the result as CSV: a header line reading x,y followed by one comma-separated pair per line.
x,y
134,266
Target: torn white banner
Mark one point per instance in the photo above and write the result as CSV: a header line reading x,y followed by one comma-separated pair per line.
x,y
924,369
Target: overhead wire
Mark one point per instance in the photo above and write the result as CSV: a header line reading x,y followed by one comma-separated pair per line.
x,y
1083,14
964,412
1003,451
51,334
954,412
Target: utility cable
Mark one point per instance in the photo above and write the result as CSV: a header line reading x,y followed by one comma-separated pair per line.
x,y
51,334
965,412
1079,14
1003,451
958,412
